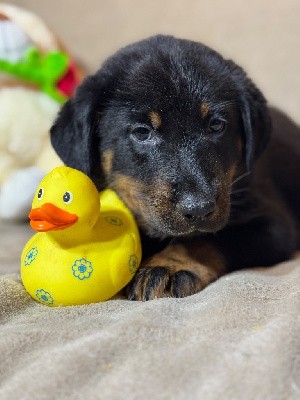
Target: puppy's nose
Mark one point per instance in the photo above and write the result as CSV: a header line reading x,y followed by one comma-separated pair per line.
x,y
193,209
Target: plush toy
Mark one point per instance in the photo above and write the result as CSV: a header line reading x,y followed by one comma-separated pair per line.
x,y
80,254
36,76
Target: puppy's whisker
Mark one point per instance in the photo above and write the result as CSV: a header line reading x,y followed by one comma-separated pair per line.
x,y
226,103
241,177
139,196
241,190
237,203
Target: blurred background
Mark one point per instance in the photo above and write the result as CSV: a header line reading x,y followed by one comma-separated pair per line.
x,y
263,36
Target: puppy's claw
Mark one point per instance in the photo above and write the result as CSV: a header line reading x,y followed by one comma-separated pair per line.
x,y
185,283
153,282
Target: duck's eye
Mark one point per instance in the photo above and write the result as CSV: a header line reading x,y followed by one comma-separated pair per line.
x,y
40,193
217,125
68,197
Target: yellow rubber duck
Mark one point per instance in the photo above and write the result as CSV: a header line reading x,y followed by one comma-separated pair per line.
x,y
79,255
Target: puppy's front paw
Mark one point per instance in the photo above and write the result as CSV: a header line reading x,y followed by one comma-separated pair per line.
x,y
152,282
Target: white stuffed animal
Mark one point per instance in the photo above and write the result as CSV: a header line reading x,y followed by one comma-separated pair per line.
x,y
31,94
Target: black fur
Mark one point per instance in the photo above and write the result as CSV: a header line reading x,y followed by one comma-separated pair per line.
x,y
188,181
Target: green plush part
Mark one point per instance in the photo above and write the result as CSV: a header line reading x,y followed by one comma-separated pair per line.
x,y
42,70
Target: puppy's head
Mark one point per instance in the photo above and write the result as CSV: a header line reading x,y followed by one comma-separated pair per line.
x,y
168,124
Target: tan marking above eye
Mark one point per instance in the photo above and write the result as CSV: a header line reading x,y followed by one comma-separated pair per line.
x,y
155,119
204,109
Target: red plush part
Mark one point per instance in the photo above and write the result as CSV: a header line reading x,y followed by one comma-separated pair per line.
x,y
68,83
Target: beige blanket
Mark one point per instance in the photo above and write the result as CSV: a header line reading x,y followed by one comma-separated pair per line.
x,y
237,339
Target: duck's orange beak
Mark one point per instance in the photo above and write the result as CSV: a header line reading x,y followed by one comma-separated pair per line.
x,y
48,217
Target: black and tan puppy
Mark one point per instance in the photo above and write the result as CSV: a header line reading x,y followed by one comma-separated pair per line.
x,y
178,132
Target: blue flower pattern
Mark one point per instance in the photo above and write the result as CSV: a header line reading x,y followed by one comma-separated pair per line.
x,y
44,297
133,263
114,220
31,256
82,269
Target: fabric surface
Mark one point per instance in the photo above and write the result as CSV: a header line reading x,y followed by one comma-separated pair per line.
x,y
237,339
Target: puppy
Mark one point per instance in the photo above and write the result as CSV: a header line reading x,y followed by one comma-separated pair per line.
x,y
180,134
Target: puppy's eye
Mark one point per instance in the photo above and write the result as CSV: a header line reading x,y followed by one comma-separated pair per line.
x,y
141,133
217,125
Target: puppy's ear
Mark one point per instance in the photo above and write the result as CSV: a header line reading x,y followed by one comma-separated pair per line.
x,y
256,122
74,134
